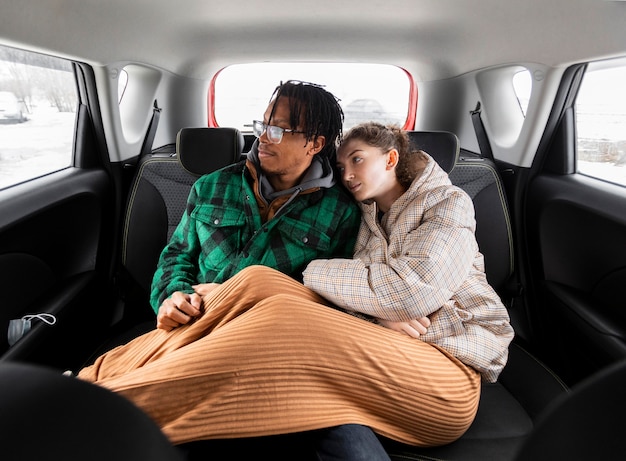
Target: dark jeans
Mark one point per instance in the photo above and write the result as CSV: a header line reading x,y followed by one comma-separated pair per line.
x,y
350,442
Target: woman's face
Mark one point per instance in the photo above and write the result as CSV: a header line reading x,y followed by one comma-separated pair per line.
x,y
368,172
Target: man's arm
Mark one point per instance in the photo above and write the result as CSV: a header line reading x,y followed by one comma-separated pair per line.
x,y
178,264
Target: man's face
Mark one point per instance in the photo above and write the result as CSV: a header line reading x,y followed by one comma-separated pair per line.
x,y
285,163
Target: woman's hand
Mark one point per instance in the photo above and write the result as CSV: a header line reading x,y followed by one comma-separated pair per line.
x,y
179,309
414,328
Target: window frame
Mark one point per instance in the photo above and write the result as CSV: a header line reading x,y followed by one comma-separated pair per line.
x,y
53,66
592,67
412,97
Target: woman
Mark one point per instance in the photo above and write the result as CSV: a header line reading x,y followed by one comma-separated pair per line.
x,y
269,355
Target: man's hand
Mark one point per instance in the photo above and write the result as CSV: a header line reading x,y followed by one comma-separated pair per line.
x,y
204,289
413,328
178,310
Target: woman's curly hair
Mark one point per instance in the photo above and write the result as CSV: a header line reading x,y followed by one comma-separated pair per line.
x,y
411,162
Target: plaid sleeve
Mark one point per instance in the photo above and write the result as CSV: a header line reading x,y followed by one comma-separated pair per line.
x,y
436,257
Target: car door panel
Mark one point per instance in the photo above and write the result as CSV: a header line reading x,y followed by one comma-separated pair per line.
x,y
579,225
50,233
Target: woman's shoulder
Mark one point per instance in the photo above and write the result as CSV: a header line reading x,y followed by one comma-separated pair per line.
x,y
436,198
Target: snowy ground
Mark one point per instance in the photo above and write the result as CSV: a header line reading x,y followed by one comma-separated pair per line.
x,y
607,171
38,146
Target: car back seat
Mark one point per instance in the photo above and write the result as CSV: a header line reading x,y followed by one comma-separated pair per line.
x,y
480,179
156,203
509,408
159,194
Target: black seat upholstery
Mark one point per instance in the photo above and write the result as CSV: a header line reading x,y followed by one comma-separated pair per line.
x,y
443,146
155,206
204,150
159,194
481,180
49,416
509,408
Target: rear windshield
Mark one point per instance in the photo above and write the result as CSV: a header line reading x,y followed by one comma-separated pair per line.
x,y
367,92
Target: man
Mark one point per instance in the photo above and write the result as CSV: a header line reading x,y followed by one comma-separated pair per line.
x,y
282,207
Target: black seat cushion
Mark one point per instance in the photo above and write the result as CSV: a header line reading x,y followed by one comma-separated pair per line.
x,y
500,427
507,413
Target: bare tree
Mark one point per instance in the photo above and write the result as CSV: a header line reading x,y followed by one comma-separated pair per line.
x,y
31,75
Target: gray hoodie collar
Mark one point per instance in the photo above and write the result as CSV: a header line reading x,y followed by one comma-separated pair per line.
x,y
319,174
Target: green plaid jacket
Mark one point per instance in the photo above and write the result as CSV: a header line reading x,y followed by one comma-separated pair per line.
x,y
221,232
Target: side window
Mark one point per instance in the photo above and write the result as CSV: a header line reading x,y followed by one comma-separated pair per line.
x,y
122,83
601,123
38,101
366,92
522,84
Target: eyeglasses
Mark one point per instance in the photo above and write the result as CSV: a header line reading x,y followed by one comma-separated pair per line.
x,y
274,133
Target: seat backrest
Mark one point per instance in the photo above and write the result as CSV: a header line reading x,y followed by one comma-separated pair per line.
x,y
482,182
159,194
587,423
49,416
480,178
443,146
197,148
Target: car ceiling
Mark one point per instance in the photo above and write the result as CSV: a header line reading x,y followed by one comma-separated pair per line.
x,y
433,39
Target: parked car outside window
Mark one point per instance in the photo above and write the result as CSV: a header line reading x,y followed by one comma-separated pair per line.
x,y
10,108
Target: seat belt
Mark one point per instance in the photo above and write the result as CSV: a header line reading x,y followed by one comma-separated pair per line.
x,y
481,134
513,287
146,147
121,276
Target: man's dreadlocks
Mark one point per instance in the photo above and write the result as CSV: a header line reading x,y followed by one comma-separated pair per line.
x,y
317,109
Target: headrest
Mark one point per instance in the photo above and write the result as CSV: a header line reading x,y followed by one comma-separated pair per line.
x,y
204,150
443,146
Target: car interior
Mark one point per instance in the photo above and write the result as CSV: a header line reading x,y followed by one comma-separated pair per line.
x,y
543,160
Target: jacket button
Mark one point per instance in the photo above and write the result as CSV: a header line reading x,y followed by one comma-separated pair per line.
x,y
305,240
216,222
